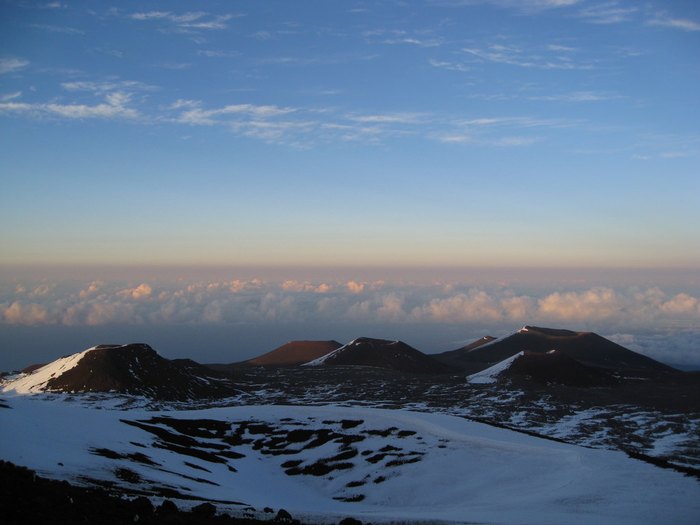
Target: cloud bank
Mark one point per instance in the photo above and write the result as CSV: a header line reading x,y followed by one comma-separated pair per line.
x,y
662,323
256,300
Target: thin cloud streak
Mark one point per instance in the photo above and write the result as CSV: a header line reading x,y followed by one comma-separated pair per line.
x,y
10,65
115,106
683,24
186,22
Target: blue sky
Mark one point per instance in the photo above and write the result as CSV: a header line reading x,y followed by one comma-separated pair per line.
x,y
446,133
432,170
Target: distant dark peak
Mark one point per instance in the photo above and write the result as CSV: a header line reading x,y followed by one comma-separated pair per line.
x,y
382,353
292,353
587,348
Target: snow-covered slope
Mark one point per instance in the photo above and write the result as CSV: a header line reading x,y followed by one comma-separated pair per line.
x,y
490,375
37,381
324,463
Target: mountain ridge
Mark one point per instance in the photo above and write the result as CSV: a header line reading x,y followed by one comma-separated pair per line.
x,y
133,369
588,348
550,355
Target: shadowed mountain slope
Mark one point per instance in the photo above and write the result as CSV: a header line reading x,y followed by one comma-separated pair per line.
x,y
554,367
587,348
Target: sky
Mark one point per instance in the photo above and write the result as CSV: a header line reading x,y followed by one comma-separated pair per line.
x,y
479,152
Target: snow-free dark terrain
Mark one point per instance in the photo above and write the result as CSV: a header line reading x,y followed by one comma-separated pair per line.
x,y
552,426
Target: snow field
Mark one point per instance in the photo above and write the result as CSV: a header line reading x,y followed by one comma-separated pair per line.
x,y
467,472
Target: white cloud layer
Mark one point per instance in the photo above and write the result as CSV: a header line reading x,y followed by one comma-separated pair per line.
x,y
660,323
255,300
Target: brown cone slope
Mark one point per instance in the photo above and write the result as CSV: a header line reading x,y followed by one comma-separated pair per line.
x,y
294,353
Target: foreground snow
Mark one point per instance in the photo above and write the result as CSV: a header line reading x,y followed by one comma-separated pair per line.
x,y
405,465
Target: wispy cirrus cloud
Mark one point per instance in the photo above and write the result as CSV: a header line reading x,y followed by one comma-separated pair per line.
x,y
420,42
66,30
195,113
526,6
217,53
525,57
10,65
577,96
683,24
450,66
268,123
500,131
186,22
391,118
607,13
417,37
115,106
107,86
7,97
294,126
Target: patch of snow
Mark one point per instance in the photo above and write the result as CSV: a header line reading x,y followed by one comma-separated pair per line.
x,y
36,381
668,443
490,374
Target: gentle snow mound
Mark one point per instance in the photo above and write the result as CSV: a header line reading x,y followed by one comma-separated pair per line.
x,y
490,374
36,381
